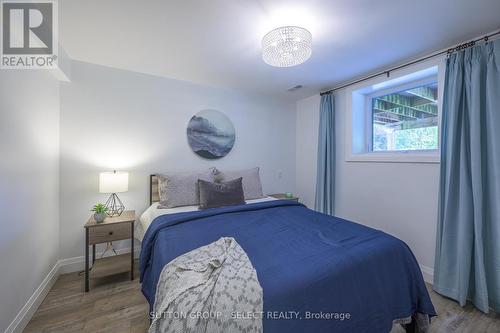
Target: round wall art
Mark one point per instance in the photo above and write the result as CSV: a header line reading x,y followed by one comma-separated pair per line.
x,y
211,134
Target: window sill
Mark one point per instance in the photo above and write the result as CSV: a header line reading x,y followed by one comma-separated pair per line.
x,y
394,157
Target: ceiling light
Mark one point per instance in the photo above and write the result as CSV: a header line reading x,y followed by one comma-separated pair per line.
x,y
287,46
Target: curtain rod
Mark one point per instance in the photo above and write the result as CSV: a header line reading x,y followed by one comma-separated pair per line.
x,y
387,72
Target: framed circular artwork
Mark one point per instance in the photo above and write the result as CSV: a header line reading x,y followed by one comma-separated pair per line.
x,y
211,134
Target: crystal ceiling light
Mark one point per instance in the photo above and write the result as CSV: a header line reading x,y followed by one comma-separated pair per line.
x,y
287,46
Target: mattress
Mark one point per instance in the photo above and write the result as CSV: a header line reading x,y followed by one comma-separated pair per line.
x,y
153,212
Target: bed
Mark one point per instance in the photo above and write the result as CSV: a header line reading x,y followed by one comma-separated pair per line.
x,y
318,273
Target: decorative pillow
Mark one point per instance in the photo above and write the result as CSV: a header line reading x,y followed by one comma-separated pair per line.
x,y
180,189
220,194
252,188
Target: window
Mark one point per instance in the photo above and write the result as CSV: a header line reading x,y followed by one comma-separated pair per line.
x,y
396,119
405,120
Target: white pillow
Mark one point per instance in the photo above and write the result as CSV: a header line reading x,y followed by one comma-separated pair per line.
x,y
252,187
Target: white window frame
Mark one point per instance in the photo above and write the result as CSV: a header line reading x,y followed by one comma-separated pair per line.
x,y
359,113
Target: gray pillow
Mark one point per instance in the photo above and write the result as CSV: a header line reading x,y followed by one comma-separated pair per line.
x,y
180,189
252,188
220,194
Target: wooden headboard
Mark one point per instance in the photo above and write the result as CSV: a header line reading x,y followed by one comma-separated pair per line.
x,y
154,195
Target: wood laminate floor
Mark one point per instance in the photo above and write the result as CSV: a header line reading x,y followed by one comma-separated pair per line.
x,y
116,304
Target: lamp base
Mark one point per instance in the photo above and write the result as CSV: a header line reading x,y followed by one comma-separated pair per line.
x,y
114,205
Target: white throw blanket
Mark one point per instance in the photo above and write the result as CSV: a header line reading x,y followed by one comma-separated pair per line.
x,y
211,289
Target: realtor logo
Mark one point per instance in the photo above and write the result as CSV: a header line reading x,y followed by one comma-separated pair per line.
x,y
29,34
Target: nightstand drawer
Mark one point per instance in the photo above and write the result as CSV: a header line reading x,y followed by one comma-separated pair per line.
x,y
107,233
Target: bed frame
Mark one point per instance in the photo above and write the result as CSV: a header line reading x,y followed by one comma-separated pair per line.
x,y
154,195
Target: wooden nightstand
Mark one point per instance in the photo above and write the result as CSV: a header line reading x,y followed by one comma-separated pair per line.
x,y
112,229
282,196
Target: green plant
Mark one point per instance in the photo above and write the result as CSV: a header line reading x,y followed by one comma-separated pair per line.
x,y
99,208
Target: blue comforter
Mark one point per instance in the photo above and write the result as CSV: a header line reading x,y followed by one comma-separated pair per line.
x,y
318,273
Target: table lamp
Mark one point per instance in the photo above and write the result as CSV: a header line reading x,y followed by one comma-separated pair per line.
x,y
113,182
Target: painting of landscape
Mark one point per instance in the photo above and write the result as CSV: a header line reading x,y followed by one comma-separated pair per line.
x,y
211,134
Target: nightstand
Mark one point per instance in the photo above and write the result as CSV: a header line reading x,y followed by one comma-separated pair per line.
x,y
282,196
112,229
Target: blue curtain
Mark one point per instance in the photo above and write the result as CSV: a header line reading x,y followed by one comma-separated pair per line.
x,y
325,179
468,235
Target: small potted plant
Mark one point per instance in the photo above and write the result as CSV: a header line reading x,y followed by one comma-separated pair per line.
x,y
99,212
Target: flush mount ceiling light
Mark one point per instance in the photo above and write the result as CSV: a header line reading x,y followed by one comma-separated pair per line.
x,y
287,46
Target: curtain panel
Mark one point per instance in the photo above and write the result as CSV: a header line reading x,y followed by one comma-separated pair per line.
x,y
467,263
325,177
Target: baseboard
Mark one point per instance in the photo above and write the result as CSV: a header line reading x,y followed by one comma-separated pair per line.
x,y
62,266
428,274
77,264
28,310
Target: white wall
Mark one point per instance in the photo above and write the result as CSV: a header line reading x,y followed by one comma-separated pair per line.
x,y
129,121
29,186
307,149
398,198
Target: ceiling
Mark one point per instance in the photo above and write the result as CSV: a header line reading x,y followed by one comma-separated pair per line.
x,y
217,42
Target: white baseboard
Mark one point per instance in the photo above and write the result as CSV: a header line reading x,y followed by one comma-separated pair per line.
x,y
428,274
28,310
71,265
77,264
62,266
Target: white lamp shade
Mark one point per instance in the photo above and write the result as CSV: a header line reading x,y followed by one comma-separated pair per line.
x,y
113,182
